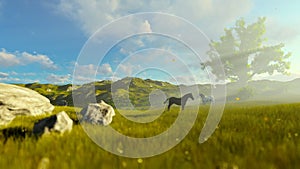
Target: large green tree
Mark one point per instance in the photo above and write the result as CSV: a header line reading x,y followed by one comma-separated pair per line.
x,y
244,52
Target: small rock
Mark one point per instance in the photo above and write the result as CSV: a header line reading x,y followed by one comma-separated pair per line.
x,y
63,123
98,113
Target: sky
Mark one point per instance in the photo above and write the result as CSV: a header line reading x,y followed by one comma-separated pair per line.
x,y
65,41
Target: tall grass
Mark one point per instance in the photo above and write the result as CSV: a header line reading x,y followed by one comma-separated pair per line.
x,y
248,136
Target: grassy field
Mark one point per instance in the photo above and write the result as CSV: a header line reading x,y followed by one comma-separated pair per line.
x,y
248,136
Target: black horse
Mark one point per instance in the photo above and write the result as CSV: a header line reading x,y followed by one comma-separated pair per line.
x,y
179,101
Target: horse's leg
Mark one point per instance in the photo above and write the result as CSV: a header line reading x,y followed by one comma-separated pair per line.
x,y
182,105
170,104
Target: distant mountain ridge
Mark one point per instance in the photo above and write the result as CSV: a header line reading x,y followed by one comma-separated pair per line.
x,y
139,90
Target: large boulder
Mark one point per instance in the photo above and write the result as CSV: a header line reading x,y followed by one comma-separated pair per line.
x,y
16,100
60,123
98,113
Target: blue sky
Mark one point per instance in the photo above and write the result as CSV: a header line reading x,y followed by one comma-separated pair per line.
x,y
41,41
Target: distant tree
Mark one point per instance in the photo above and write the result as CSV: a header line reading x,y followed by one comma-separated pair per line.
x,y
244,55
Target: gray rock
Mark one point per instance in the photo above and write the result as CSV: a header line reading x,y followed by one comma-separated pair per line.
x,y
60,122
63,123
98,113
16,100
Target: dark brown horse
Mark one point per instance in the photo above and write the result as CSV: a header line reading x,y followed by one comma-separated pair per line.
x,y
179,101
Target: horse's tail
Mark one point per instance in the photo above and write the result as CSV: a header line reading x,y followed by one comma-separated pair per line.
x,y
166,100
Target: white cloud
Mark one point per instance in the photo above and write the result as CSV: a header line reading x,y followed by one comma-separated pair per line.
x,y
38,58
14,73
15,58
91,70
279,32
18,80
124,51
3,75
87,73
82,79
182,80
92,14
86,70
209,15
8,59
14,77
105,69
189,80
145,27
9,79
132,44
139,42
28,74
125,69
84,73
57,79
277,76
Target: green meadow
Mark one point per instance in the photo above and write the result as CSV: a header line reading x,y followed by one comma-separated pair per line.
x,y
249,135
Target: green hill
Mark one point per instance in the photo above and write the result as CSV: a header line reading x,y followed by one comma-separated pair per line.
x,y
139,90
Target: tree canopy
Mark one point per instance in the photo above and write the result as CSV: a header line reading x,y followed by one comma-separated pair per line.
x,y
244,53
